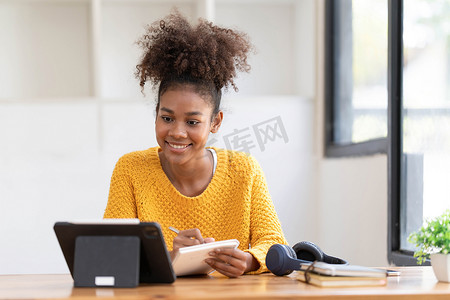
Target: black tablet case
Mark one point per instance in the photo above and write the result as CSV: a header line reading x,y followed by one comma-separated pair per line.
x,y
121,254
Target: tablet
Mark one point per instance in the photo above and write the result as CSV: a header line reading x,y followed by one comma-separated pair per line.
x,y
191,260
154,263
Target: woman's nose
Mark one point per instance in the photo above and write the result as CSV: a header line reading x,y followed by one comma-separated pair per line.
x,y
178,131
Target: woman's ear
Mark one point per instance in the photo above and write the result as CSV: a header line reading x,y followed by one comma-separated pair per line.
x,y
216,122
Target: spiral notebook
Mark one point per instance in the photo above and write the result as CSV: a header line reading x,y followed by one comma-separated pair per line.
x,y
191,260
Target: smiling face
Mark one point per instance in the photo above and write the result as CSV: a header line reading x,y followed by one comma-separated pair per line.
x,y
183,123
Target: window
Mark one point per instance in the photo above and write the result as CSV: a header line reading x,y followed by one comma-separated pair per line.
x,y
357,94
388,75
421,145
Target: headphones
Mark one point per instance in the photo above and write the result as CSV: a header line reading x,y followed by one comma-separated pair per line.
x,y
282,259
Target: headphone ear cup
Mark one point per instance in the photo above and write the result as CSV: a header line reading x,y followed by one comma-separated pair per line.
x,y
308,251
279,258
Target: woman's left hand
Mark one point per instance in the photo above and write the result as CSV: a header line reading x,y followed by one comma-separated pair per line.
x,y
232,262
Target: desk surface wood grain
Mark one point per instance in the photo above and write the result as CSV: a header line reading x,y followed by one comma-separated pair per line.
x,y
413,283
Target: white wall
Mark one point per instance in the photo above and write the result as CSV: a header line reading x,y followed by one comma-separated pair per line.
x,y
352,205
351,193
32,45
287,165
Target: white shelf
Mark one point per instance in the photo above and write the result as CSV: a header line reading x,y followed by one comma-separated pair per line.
x,y
122,24
272,31
71,48
45,49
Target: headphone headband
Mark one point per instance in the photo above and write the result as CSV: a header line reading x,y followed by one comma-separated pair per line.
x,y
311,252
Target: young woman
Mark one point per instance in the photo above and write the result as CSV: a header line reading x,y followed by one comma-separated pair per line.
x,y
207,193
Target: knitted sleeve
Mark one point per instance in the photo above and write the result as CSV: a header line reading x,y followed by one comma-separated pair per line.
x,y
265,227
121,201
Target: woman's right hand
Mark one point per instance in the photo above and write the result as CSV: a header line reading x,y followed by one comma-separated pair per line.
x,y
188,237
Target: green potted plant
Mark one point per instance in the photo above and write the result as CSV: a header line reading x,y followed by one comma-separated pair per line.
x,y
433,241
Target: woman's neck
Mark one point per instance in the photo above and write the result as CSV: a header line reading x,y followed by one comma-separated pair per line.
x,y
191,178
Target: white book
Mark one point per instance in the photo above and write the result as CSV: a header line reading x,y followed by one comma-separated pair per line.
x,y
344,270
340,281
191,260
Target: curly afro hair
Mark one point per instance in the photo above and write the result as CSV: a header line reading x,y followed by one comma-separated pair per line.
x,y
205,56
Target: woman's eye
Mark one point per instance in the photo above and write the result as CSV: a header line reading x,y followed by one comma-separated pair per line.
x,y
166,119
192,122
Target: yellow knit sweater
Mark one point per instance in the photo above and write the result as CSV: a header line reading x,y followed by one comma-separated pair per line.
x,y
235,205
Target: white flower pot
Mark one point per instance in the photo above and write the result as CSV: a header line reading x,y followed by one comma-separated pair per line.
x,y
441,266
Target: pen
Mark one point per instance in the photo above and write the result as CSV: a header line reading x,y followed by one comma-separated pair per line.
x,y
177,231
174,229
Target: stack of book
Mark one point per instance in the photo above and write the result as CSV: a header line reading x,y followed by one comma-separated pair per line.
x,y
330,275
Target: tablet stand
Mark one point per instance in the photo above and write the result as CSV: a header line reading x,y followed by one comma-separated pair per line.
x,y
108,261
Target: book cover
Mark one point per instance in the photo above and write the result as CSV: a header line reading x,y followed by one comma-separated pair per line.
x,y
339,281
343,270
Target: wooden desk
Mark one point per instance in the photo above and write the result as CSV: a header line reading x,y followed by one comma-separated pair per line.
x,y
414,283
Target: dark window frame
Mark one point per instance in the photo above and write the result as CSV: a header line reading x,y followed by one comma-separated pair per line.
x,y
392,145
332,65
396,255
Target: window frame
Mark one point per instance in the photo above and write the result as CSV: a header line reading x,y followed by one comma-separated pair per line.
x,y
392,145
396,255
333,149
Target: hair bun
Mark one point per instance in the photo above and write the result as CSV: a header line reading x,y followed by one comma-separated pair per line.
x,y
205,52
